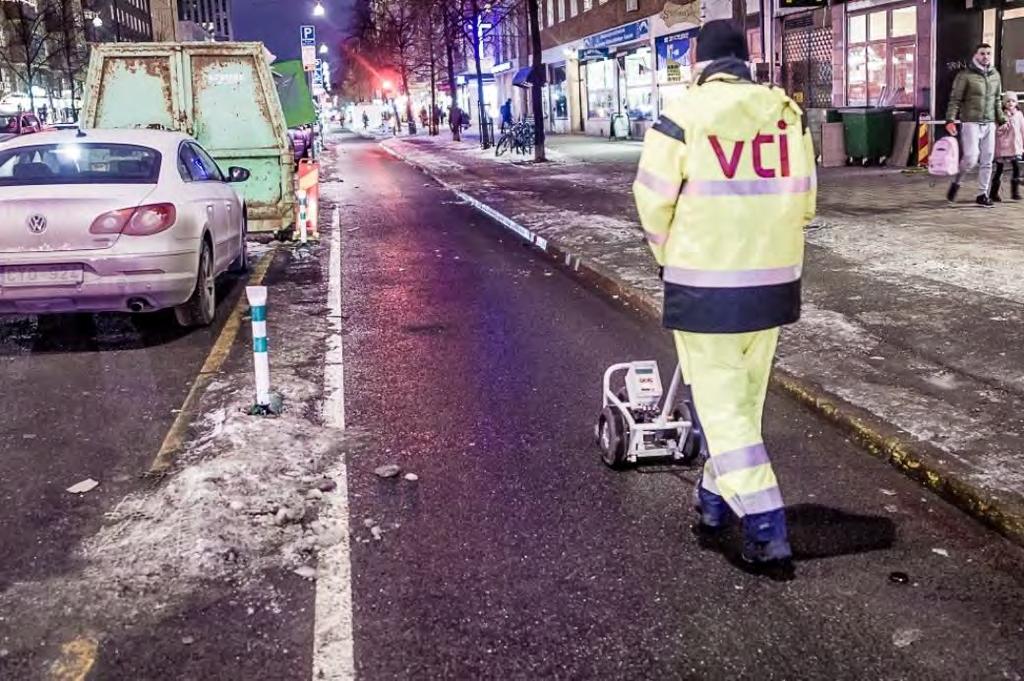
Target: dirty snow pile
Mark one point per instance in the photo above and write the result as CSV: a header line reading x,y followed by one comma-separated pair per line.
x,y
243,502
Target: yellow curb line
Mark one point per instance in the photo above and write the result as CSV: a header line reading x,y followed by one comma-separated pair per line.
x,y
76,660
214,361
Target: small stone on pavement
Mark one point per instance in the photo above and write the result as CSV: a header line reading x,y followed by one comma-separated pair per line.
x,y
188,640
314,494
376,532
904,637
306,572
327,485
388,471
412,477
84,486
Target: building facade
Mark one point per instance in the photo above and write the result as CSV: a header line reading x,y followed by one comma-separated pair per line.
x,y
212,15
612,65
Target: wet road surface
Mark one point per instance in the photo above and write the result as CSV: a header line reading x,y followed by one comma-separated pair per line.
x,y
516,554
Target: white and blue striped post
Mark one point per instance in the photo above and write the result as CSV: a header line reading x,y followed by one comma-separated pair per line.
x,y
257,296
303,216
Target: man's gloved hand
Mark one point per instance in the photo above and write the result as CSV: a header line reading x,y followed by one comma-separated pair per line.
x,y
951,128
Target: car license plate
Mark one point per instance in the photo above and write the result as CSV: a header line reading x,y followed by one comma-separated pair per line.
x,y
41,275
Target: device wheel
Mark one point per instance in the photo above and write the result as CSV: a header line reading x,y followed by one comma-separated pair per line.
x,y
694,443
613,438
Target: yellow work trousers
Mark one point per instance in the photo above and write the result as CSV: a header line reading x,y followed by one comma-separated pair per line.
x,y
728,377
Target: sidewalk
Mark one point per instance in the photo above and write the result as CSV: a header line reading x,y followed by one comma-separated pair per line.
x,y
912,308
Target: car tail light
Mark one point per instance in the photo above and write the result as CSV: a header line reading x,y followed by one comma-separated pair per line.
x,y
141,221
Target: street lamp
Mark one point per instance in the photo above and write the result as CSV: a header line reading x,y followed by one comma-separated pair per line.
x,y
323,48
97,21
319,10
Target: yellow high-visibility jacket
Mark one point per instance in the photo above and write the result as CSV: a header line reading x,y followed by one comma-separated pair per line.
x,y
725,188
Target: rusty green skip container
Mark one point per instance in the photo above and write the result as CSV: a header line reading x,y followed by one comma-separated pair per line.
x,y
222,94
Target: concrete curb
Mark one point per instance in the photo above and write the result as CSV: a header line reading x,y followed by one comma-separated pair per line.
x,y
919,460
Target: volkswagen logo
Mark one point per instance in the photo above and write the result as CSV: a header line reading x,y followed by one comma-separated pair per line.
x,y
37,223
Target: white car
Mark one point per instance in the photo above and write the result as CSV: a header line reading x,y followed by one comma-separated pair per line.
x,y
116,220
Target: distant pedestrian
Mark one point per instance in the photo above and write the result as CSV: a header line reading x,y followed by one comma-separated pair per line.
x,y
506,115
43,112
423,116
976,102
366,121
1009,147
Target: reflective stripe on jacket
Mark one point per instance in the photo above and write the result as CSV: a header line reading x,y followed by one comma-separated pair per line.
x,y
725,187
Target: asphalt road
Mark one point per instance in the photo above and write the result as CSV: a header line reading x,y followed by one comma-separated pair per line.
x,y
476,365
85,396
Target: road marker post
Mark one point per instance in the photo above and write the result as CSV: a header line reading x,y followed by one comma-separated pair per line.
x,y
303,216
257,296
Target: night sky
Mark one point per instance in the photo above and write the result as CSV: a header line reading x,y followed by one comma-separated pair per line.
x,y
276,23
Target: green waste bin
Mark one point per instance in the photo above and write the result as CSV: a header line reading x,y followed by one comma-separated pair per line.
x,y
868,133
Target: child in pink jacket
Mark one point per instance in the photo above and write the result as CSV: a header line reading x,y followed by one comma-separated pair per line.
x,y
1009,147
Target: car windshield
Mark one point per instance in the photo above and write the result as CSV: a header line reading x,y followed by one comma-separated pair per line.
x,y
79,163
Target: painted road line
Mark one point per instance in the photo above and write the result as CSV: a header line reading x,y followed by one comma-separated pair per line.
x,y
334,366
333,655
175,437
76,660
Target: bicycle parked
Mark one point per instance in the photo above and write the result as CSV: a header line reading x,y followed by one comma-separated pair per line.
x,y
517,138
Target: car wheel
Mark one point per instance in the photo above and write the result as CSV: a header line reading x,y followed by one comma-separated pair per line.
x,y
201,308
240,265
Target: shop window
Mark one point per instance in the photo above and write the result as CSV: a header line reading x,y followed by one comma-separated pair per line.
x,y
588,5
881,55
551,12
877,26
858,29
560,4
574,7
601,78
904,22
559,94
639,86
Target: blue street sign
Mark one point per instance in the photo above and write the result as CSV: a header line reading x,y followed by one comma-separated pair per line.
x,y
307,35
623,34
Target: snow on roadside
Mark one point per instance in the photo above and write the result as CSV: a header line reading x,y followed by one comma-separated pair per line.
x,y
238,504
930,251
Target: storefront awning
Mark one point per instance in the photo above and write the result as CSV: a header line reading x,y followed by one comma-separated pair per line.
x,y
527,77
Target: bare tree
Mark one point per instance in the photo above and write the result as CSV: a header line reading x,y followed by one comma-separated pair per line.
x,y
451,44
71,52
26,51
397,34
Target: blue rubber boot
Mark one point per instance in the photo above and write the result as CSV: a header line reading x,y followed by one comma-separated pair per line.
x,y
765,539
714,513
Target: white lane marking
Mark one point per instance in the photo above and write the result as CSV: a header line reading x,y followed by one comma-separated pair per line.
x,y
333,655
334,373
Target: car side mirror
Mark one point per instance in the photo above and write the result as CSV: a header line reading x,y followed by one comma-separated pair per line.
x,y
236,174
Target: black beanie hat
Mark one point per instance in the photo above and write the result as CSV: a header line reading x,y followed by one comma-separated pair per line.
x,y
721,38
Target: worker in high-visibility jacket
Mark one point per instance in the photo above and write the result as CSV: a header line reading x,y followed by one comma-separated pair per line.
x,y
725,187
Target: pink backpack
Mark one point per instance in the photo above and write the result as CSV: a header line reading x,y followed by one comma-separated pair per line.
x,y
945,158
